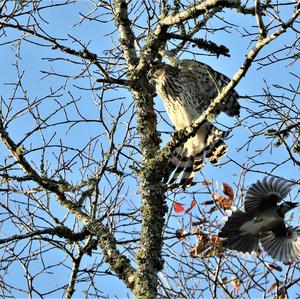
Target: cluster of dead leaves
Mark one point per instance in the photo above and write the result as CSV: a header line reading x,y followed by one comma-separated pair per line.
x,y
225,202
234,281
207,245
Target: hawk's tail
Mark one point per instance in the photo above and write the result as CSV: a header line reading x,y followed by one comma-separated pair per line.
x,y
186,162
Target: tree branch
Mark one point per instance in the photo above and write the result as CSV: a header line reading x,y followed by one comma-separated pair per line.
x,y
85,54
208,46
153,206
127,37
195,10
117,261
60,231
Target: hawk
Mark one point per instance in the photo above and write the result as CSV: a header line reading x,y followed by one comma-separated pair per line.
x,y
187,90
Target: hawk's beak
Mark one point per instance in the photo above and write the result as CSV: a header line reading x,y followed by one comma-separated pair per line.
x,y
150,77
150,73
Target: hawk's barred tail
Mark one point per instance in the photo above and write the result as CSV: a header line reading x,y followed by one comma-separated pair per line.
x,y
185,164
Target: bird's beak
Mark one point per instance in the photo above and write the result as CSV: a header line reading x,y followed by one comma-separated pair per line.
x,y
293,205
154,72
149,74
150,77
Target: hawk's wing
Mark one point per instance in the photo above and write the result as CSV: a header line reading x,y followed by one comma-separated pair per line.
x,y
208,83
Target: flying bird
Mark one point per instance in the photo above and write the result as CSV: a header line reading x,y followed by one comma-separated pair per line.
x,y
187,89
263,222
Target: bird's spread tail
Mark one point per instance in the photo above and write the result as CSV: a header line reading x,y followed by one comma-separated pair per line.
x,y
190,157
233,238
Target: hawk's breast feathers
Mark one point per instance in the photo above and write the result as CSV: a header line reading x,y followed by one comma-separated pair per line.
x,y
187,90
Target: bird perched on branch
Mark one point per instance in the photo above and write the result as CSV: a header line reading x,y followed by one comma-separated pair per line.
x,y
263,222
187,89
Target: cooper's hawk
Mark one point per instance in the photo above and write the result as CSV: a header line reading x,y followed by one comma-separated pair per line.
x,y
187,89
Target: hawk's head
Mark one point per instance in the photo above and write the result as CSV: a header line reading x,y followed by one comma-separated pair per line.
x,y
160,71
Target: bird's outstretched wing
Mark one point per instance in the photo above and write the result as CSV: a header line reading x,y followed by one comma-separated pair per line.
x,y
234,239
282,243
265,194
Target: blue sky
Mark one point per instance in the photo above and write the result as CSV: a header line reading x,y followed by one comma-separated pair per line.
x,y
97,35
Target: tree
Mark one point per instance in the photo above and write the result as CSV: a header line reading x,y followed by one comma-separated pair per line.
x,y
82,157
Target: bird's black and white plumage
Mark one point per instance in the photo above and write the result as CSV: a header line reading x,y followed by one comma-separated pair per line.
x,y
263,222
187,90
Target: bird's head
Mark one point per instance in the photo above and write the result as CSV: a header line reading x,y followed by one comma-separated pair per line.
x,y
155,73
287,206
159,71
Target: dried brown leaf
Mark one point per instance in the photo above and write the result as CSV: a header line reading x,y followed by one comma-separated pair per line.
x,y
193,203
207,183
227,190
274,286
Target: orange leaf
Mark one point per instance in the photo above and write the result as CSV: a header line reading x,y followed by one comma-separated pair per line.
x,y
193,203
226,203
227,190
274,286
236,283
223,201
215,239
217,197
206,183
178,207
